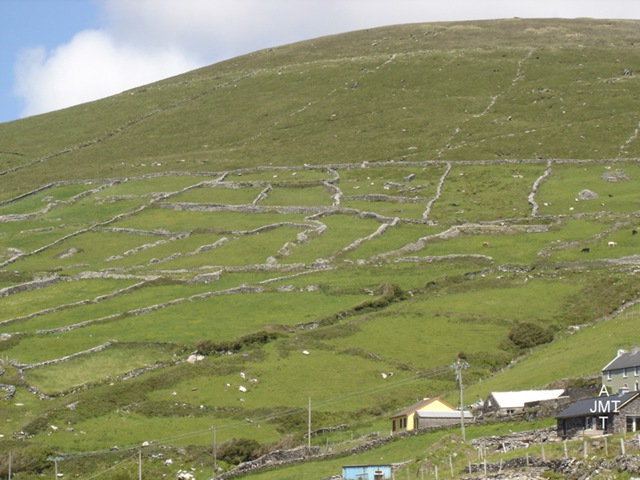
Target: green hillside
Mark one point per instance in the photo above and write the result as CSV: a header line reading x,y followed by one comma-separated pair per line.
x,y
326,224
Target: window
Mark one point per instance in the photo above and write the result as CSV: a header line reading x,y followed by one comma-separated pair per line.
x,y
624,373
633,424
609,375
589,423
636,371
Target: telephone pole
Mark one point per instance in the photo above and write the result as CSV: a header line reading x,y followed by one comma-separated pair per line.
x,y
459,365
215,454
309,426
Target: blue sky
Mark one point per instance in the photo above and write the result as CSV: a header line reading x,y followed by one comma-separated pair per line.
x,y
58,53
29,24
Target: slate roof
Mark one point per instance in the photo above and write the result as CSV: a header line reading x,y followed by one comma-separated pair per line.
x,y
624,360
591,406
518,399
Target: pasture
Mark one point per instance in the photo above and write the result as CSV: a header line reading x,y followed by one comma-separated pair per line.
x,y
330,222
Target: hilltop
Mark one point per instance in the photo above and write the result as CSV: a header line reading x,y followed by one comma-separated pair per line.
x,y
319,226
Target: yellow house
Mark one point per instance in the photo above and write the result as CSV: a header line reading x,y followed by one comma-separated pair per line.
x,y
436,408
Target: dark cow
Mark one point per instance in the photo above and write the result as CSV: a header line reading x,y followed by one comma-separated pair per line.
x,y
585,250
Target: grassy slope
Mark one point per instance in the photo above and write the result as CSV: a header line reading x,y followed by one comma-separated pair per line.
x,y
139,202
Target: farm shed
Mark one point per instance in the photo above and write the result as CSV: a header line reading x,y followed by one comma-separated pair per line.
x,y
623,372
428,413
425,419
508,403
601,415
366,472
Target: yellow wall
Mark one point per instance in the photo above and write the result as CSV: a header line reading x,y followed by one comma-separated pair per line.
x,y
438,406
410,422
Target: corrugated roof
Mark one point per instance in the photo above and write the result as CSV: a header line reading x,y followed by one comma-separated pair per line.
x,y
455,414
597,405
518,399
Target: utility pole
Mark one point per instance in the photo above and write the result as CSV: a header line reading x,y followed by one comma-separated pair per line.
x,y
55,464
215,454
459,365
309,426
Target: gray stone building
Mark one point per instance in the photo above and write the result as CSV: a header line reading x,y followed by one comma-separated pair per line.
x,y
601,415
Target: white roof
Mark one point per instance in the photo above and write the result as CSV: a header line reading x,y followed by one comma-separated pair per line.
x,y
518,399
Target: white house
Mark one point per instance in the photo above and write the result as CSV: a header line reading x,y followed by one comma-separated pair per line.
x,y
507,403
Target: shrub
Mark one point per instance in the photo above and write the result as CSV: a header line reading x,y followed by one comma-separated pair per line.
x,y
209,347
238,450
529,335
492,361
29,459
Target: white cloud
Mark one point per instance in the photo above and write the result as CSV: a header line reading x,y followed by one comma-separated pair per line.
x,y
146,40
91,66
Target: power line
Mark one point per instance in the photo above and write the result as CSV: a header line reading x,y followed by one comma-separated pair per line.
x,y
268,417
458,366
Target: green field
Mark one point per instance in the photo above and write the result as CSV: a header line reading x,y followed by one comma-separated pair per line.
x,y
330,223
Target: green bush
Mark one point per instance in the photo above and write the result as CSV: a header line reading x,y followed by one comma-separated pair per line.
x,y
29,459
238,450
209,347
528,335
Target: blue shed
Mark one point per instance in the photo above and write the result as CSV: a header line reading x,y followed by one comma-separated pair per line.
x,y
366,472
